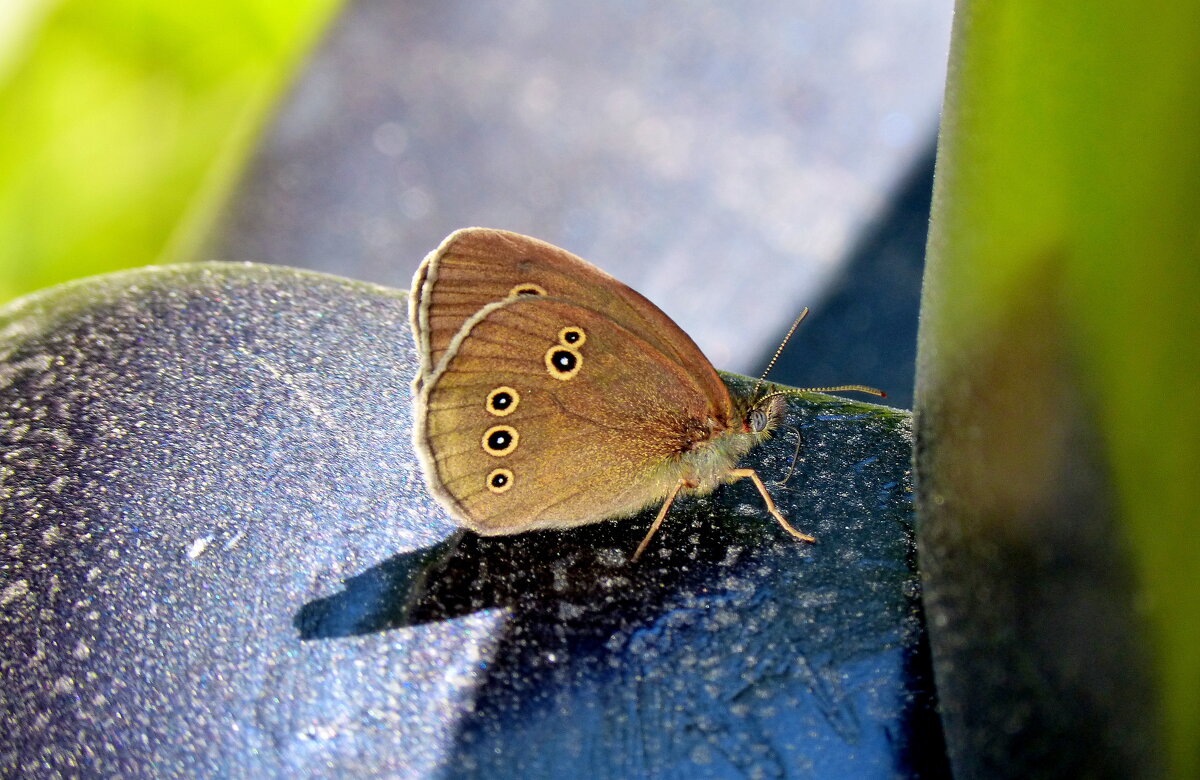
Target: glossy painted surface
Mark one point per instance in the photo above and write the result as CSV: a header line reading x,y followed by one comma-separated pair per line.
x,y
217,558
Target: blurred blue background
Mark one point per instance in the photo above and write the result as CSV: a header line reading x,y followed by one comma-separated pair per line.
x,y
732,164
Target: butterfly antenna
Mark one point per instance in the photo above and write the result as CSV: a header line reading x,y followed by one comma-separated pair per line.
x,y
779,351
836,389
841,389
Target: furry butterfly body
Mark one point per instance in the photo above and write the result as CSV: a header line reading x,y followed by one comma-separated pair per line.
x,y
551,395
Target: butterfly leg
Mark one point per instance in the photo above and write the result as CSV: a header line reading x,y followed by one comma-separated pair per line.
x,y
752,475
662,513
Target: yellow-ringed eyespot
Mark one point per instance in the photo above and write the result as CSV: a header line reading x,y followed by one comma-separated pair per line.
x,y
572,336
527,288
502,401
499,480
563,362
500,440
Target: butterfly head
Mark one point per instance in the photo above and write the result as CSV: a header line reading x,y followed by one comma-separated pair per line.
x,y
764,416
754,420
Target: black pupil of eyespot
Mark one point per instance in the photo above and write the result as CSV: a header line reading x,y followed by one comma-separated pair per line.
x,y
499,480
501,401
571,336
563,360
528,291
499,440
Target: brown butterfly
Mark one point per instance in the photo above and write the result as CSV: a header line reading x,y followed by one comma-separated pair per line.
x,y
551,395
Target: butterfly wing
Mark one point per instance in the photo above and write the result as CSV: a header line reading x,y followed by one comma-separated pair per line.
x,y
477,266
547,414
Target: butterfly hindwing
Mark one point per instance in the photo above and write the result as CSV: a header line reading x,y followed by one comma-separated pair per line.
x,y
546,413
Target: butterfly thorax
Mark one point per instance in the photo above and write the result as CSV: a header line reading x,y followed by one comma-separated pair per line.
x,y
708,462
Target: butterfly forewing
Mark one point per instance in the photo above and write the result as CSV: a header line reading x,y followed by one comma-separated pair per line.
x,y
550,414
477,266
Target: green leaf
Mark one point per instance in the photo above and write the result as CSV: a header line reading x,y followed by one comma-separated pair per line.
x,y
126,122
1058,348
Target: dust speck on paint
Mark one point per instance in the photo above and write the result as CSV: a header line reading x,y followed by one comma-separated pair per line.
x,y
197,548
14,591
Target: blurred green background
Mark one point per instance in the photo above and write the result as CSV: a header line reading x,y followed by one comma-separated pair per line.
x,y
127,121
1068,189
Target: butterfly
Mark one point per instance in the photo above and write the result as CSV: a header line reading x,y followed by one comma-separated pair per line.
x,y
551,395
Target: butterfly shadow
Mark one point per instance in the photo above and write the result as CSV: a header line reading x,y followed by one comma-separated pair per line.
x,y
724,608
533,575
583,580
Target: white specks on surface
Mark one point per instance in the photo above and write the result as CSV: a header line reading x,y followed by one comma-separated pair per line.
x,y
701,754
197,547
31,365
56,436
82,650
13,591
233,540
611,557
614,582
307,399
560,570
323,731
568,611
51,535
732,553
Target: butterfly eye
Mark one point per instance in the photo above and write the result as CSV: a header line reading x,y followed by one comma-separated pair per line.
x,y
502,401
527,288
572,336
500,440
563,362
767,415
500,480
